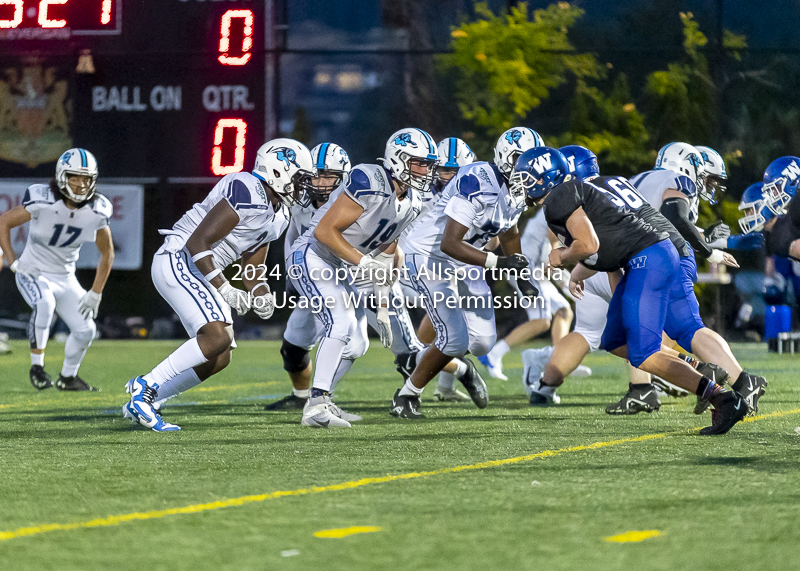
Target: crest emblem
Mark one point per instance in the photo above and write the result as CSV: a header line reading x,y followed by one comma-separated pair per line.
x,y
404,139
287,155
513,137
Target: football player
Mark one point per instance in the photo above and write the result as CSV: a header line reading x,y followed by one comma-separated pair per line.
x,y
63,215
674,189
783,178
555,314
358,226
601,225
242,214
475,206
453,154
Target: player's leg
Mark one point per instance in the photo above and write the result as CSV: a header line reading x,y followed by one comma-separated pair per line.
x,y
38,295
686,327
206,318
645,301
81,335
332,299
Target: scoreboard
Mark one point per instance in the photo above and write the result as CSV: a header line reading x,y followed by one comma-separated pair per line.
x,y
176,89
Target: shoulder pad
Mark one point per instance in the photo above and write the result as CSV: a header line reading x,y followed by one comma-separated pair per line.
x,y
102,206
685,185
366,180
245,191
37,194
477,185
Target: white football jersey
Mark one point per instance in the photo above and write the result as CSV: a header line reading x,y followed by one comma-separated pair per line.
x,y
652,185
426,205
56,232
298,224
259,223
384,217
476,197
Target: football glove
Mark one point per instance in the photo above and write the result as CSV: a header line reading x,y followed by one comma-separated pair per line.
x,y
527,288
236,298
374,271
717,231
264,304
382,314
89,304
516,261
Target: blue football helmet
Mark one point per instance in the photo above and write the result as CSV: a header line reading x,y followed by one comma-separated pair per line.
x,y
781,180
536,172
582,162
756,208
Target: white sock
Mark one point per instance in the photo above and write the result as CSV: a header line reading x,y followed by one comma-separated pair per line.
x,y
499,350
329,355
37,359
341,371
410,390
461,368
178,384
74,350
184,357
447,381
302,393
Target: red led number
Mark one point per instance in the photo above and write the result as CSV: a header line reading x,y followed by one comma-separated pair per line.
x,y
16,19
224,125
46,22
225,37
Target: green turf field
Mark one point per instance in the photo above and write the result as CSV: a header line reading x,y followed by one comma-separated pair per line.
x,y
508,487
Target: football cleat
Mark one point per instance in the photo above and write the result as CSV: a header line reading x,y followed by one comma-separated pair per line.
x,y
404,406
290,402
533,364
450,395
73,384
752,388
639,398
730,409
317,413
140,408
39,378
668,389
495,366
348,416
475,385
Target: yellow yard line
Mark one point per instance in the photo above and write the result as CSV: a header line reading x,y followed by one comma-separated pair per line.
x,y
244,500
344,532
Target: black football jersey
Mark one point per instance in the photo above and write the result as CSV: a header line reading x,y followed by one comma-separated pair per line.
x,y
614,208
785,231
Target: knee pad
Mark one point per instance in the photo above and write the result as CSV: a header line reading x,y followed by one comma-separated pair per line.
x,y
295,359
356,347
85,334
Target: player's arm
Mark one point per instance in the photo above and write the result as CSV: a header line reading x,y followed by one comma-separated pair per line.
x,y
584,241
106,246
510,241
218,223
794,249
17,216
257,260
340,216
675,208
577,277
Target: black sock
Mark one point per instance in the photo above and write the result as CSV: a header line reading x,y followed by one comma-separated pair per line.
x,y
691,360
708,389
319,393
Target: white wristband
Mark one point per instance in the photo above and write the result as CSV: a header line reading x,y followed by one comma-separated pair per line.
x,y
491,260
258,285
14,266
212,274
716,256
201,255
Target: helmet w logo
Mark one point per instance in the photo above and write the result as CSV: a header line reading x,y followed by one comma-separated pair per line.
x,y
513,137
288,156
66,157
792,171
404,139
542,163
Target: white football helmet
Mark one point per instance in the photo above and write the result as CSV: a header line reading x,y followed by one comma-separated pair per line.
x,y
406,145
329,159
716,174
453,154
76,162
285,165
512,144
684,159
